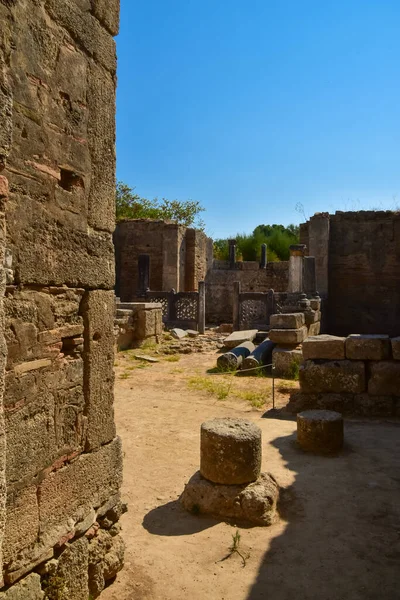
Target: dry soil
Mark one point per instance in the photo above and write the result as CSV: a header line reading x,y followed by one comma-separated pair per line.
x,y
338,536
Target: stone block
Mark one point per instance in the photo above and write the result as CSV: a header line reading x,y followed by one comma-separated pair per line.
x,y
254,503
288,337
384,378
148,324
107,11
101,142
72,571
98,358
396,348
343,376
31,437
314,329
328,347
178,334
67,495
367,347
239,337
285,359
22,521
287,321
374,406
315,303
28,588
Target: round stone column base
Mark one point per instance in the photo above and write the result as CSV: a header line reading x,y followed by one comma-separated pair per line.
x,y
320,431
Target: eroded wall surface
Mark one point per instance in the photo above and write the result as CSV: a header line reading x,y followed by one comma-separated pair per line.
x,y
63,463
357,263
220,285
179,256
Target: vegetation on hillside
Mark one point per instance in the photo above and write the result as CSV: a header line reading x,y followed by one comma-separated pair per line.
x,y
277,237
132,206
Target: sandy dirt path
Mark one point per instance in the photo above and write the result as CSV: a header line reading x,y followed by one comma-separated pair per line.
x,y
338,537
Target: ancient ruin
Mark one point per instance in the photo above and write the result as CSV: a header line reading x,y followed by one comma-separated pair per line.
x,y
230,483
61,462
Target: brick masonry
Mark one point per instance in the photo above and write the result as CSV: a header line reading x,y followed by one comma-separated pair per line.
x,y
61,475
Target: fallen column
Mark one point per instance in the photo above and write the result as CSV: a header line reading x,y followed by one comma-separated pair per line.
x,y
232,360
262,355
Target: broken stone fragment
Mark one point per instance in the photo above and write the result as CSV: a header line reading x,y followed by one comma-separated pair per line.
x,y
251,503
177,333
239,337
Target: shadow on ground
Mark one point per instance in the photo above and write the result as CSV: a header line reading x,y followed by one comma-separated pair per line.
x,y
342,539
163,521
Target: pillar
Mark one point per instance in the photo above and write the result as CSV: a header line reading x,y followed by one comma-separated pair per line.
x,y
232,254
202,306
263,262
144,273
297,253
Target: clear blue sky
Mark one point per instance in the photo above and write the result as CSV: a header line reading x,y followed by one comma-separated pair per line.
x,y
252,107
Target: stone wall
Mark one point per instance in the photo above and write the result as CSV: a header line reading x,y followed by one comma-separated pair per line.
x,y
357,375
61,471
357,268
220,288
179,256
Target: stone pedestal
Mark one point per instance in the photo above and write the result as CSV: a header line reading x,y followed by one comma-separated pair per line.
x,y
320,431
229,483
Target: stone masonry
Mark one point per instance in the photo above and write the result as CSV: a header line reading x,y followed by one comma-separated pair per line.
x,y
358,375
61,464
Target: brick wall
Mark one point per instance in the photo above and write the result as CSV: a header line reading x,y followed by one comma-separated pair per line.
x,y
220,280
62,471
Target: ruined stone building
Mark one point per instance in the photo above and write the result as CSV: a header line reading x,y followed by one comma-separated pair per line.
x,y
60,458
358,269
179,256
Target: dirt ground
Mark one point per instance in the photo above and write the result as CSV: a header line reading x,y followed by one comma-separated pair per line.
x,y
338,536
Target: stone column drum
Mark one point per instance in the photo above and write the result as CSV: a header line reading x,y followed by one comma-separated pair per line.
x,y
230,451
320,431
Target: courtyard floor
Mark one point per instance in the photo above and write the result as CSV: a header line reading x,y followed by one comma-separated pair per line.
x,y
338,535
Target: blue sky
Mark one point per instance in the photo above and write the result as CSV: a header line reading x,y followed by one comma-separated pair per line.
x,y
253,107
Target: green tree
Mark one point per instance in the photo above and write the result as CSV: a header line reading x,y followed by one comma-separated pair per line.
x,y
277,237
132,206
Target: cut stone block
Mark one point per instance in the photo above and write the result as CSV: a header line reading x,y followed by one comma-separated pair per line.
x,y
374,406
396,348
283,360
315,303
192,333
320,431
288,337
254,503
230,451
384,379
312,316
28,588
345,376
314,328
232,360
22,521
287,321
367,347
238,337
178,334
328,347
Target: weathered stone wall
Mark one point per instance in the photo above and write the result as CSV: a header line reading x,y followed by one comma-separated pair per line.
x,y
220,285
357,268
57,135
179,256
357,375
